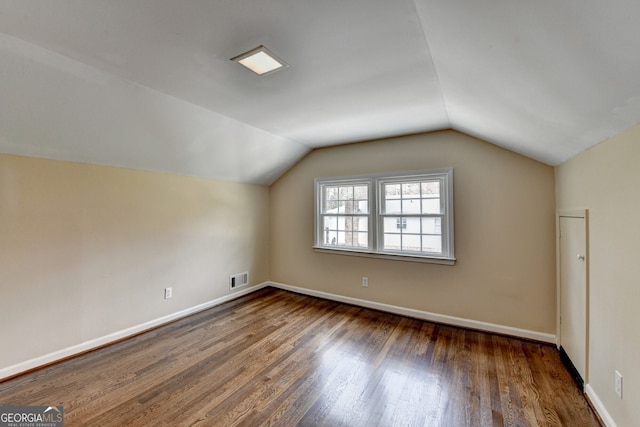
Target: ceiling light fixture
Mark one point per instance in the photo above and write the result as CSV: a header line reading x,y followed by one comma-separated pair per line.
x,y
261,61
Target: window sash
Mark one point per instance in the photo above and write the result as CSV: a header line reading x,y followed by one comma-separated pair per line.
x,y
420,233
350,231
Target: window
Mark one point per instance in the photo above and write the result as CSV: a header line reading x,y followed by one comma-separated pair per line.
x,y
344,216
389,216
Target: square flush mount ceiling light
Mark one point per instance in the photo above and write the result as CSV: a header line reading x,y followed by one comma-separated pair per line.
x,y
261,61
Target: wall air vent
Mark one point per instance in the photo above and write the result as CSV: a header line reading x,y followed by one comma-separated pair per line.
x,y
238,280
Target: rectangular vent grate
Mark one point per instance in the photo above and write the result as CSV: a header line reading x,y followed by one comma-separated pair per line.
x,y
238,280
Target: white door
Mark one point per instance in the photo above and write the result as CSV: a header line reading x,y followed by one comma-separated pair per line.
x,y
573,291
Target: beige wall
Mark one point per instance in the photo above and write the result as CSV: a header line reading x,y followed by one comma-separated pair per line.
x,y
606,180
86,251
504,232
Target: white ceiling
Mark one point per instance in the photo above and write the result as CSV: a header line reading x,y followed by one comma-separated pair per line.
x,y
148,84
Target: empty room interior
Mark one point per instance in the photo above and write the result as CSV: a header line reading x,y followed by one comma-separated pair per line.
x,y
411,212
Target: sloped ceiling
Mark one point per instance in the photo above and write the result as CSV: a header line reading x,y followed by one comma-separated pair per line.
x,y
148,84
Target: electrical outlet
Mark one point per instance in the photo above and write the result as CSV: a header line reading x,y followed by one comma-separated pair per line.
x,y
365,282
168,293
618,384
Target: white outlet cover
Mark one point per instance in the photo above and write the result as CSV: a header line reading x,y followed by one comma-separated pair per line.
x,y
618,384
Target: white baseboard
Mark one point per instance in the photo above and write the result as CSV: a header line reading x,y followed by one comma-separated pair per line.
x,y
424,315
119,335
599,406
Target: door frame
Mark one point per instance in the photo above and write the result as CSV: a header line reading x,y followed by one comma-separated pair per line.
x,y
584,214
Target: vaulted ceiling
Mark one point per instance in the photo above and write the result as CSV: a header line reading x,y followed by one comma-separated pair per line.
x,y
148,84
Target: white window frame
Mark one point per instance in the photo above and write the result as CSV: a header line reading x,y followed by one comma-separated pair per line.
x,y
376,216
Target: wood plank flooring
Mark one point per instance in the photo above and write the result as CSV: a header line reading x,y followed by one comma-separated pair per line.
x,y
276,358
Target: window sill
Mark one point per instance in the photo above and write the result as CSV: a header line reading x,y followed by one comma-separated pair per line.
x,y
390,256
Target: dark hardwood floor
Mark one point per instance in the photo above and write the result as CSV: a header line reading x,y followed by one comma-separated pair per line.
x,y
283,359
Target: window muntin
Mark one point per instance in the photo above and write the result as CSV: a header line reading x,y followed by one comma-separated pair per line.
x,y
399,215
